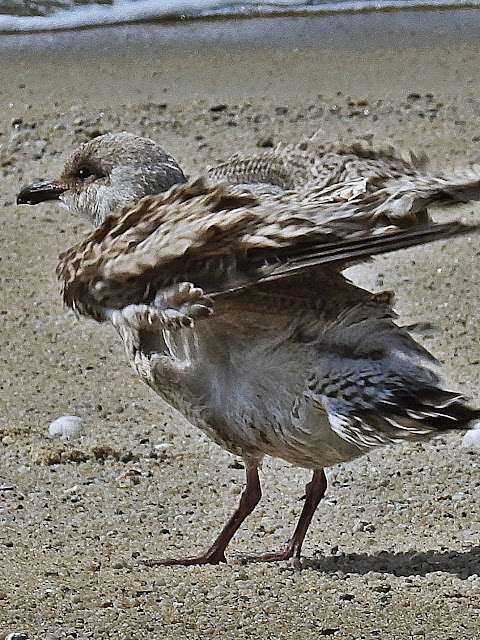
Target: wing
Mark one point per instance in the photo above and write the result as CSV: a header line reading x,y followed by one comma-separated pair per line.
x,y
222,239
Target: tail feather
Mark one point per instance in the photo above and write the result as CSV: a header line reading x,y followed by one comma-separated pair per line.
x,y
434,409
290,260
407,197
408,408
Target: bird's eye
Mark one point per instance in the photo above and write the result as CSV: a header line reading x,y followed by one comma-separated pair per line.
x,y
84,173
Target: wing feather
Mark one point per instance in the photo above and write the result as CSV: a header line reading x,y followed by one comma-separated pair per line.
x,y
223,238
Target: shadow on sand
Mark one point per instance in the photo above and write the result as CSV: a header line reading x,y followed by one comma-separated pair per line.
x,y
409,563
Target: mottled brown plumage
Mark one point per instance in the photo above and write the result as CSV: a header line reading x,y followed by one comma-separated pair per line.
x,y
225,239
295,166
232,306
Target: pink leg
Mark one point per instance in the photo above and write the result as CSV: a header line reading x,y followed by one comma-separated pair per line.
x,y
315,490
250,498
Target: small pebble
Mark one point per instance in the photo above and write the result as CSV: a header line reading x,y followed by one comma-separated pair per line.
x,y
66,427
471,439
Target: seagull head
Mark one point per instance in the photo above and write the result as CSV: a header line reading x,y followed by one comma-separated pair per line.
x,y
107,174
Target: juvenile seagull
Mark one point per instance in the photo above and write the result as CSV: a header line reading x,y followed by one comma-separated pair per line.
x,y
232,306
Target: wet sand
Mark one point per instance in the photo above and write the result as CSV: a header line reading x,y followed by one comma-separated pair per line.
x,y
394,550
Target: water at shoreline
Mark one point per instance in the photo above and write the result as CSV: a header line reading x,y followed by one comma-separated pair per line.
x,y
362,31
17,16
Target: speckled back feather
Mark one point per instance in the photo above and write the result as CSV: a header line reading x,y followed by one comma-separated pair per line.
x,y
294,166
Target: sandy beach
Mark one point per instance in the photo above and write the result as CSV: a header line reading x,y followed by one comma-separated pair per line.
x,y
394,549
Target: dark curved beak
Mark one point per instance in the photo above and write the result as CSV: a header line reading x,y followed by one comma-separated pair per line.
x,y
39,192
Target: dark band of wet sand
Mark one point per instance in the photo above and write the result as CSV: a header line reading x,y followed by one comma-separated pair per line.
x,y
372,55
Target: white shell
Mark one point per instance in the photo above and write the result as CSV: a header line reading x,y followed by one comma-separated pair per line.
x,y
471,439
66,426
